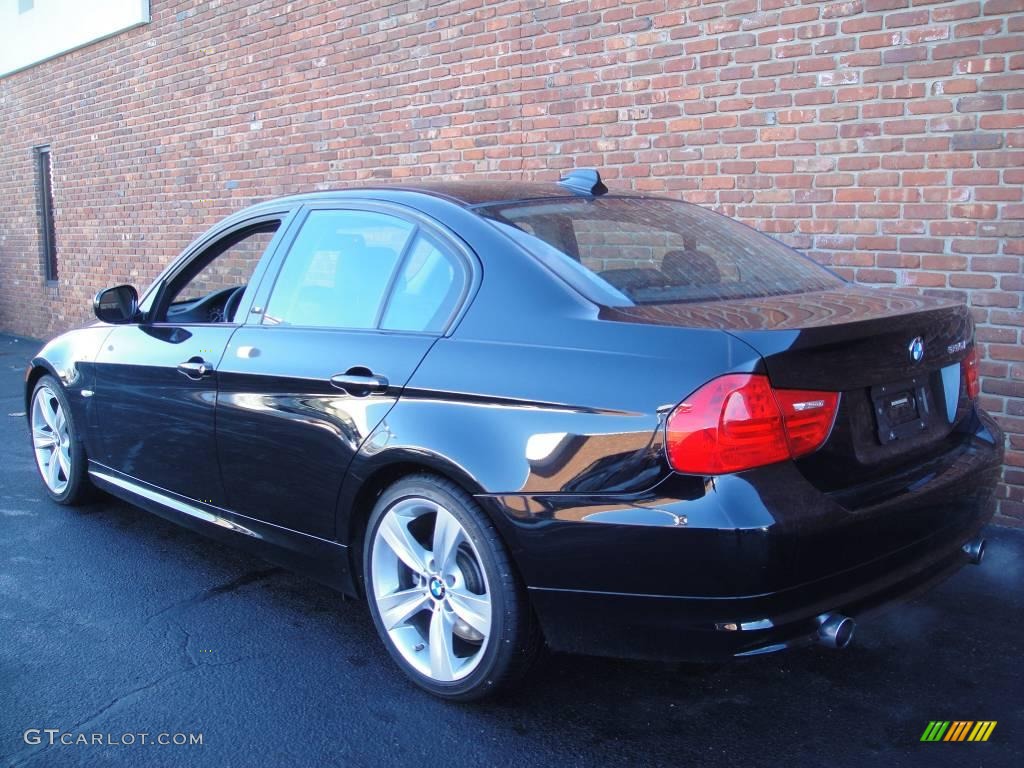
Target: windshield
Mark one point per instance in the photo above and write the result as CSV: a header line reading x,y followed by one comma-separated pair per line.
x,y
621,251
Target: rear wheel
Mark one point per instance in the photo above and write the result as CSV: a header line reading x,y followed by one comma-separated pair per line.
x,y
442,592
60,457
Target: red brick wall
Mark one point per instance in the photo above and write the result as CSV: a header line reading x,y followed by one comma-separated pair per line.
x,y
884,137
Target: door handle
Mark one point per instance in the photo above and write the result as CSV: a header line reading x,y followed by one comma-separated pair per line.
x,y
359,384
195,368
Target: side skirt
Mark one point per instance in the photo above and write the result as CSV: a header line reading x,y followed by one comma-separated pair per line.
x,y
320,559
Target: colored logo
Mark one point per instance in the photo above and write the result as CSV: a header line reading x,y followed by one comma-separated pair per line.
x,y
958,730
436,588
916,349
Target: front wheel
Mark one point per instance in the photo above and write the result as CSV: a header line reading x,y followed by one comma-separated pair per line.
x,y
60,457
442,592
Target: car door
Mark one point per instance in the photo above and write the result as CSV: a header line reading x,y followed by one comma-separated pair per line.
x,y
156,380
361,294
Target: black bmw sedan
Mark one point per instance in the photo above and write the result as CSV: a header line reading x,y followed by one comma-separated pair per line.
x,y
518,414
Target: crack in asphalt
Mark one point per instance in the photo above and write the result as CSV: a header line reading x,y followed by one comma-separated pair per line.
x,y
186,647
26,755
200,597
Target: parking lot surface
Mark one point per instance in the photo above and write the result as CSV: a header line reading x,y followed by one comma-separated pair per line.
x,y
116,622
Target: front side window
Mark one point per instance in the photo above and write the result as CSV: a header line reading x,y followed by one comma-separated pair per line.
x,y
643,251
210,289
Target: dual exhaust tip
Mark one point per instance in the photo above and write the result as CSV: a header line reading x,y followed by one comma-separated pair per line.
x,y
836,630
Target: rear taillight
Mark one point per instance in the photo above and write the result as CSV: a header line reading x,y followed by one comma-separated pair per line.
x,y
738,421
969,373
809,416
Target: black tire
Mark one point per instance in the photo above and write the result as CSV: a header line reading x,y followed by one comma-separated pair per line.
x,y
514,640
78,489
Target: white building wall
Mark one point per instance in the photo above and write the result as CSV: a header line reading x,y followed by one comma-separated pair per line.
x,y
34,30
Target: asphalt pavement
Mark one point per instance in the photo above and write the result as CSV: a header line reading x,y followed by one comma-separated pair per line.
x,y
117,623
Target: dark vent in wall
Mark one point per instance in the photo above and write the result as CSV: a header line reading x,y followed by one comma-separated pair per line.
x,y
48,230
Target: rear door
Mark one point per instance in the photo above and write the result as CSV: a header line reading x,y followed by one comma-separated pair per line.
x,y
360,295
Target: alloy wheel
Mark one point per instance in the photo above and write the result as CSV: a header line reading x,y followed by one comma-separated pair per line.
x,y
51,439
430,589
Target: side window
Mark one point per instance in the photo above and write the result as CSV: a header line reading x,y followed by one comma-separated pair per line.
x,y
338,270
203,292
426,291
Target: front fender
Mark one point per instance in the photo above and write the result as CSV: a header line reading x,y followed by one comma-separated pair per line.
x,y
70,358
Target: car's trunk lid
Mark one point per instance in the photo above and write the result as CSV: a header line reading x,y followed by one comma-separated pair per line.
x,y
895,358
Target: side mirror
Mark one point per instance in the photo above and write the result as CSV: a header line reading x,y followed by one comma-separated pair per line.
x,y
116,305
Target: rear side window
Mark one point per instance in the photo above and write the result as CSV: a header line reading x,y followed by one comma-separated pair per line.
x,y
426,291
362,270
622,251
338,270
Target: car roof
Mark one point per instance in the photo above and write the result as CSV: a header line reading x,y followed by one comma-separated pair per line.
x,y
582,184
468,194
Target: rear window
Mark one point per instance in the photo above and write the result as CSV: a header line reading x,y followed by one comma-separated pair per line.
x,y
621,251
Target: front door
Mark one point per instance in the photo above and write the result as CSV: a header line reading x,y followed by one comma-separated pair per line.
x,y
156,381
359,300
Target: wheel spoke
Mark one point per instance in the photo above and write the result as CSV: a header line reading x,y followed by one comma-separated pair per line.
x,y
447,535
43,456
442,654
42,438
398,607
475,610
53,470
59,424
395,533
65,462
46,410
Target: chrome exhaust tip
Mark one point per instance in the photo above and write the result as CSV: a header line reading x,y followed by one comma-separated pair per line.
x,y
975,550
836,630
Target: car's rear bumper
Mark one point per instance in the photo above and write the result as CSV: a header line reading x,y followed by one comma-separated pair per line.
x,y
702,629
764,552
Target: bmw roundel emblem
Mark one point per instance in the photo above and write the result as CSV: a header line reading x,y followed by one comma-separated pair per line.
x,y
916,349
436,587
